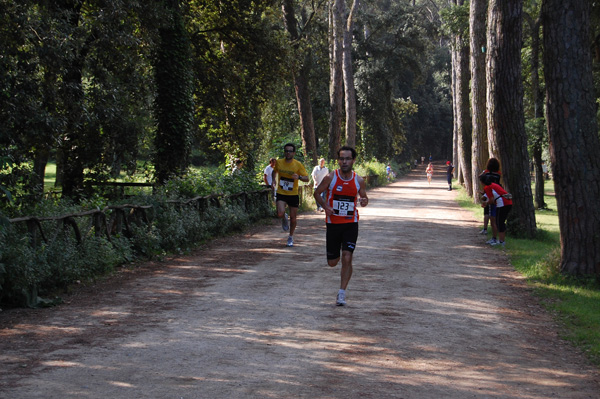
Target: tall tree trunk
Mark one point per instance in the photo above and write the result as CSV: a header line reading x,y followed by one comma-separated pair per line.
x,y
309,142
573,132
538,111
301,85
539,201
454,155
479,146
336,33
506,121
463,115
349,90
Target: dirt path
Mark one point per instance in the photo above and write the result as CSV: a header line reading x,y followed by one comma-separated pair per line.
x,y
432,313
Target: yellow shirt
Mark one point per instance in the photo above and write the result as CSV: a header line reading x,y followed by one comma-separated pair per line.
x,y
285,184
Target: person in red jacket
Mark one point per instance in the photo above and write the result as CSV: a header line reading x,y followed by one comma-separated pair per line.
x,y
496,195
344,190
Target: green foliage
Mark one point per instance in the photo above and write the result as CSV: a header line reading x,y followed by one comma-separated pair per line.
x,y
174,100
16,181
77,74
400,62
455,21
239,51
205,181
177,224
375,168
536,133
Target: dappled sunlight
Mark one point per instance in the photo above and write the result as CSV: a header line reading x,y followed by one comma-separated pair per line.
x,y
104,313
477,310
121,384
372,360
168,292
39,330
62,363
467,246
176,278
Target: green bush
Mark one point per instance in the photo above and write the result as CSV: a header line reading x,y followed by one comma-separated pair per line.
x,y
177,224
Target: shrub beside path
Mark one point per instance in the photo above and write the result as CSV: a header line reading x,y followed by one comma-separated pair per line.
x,y
432,313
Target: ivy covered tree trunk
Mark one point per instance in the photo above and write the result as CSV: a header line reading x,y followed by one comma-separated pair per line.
x,y
506,121
72,142
573,130
174,101
479,145
301,85
336,83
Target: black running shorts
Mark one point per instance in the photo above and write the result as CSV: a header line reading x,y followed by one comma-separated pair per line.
x,y
293,201
341,236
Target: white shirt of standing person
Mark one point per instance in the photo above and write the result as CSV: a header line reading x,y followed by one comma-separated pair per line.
x,y
269,174
319,172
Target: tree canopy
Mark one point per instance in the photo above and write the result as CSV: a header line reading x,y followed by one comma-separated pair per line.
x,y
105,87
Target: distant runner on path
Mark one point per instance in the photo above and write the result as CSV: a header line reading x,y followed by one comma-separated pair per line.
x,y
342,187
429,172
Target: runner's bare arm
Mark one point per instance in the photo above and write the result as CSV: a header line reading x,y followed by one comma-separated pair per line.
x,y
362,192
320,189
299,177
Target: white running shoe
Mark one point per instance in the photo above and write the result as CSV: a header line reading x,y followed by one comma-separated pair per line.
x,y
341,299
290,241
285,224
491,241
483,231
498,243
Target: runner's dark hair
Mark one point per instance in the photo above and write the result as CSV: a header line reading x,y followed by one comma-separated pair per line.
x,y
290,145
347,148
493,165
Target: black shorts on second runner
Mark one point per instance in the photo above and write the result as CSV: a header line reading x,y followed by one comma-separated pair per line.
x,y
293,201
340,236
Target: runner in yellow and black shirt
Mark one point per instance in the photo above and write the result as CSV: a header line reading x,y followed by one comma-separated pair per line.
x,y
288,172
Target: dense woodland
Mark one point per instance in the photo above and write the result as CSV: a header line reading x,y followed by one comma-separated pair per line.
x,y
106,87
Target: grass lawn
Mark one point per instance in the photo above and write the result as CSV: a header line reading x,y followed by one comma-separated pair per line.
x,y
49,177
574,302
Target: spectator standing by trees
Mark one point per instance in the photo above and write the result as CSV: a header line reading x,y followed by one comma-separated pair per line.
x,y
268,172
318,173
503,200
449,174
492,171
238,167
268,175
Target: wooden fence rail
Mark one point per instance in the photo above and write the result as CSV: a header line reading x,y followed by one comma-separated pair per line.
x,y
117,219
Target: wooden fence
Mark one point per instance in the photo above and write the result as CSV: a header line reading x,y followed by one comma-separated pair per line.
x,y
117,219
